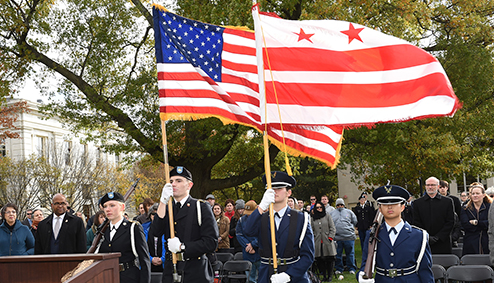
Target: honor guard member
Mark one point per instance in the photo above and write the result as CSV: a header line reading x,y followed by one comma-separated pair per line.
x,y
294,237
127,238
196,231
403,253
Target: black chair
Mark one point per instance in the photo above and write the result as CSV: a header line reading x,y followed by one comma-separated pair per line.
x,y
156,277
439,273
224,257
469,273
458,251
445,260
476,259
217,269
238,256
235,271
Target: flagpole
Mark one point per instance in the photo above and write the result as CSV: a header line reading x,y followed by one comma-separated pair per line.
x,y
170,201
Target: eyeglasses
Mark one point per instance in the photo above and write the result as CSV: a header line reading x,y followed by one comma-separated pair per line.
x,y
431,185
10,212
312,199
317,207
59,203
28,213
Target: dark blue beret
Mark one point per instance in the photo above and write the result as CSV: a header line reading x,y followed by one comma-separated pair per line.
x,y
181,171
280,180
112,196
390,194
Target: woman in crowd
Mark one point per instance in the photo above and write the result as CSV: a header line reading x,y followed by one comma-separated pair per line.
x,y
37,217
229,209
15,238
99,218
223,227
325,250
474,220
292,203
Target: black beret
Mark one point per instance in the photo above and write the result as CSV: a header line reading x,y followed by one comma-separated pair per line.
x,y
181,171
111,196
280,180
390,194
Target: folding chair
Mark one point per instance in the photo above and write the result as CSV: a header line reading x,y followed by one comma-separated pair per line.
x,y
439,273
236,271
445,260
476,259
458,251
469,273
238,256
224,257
217,269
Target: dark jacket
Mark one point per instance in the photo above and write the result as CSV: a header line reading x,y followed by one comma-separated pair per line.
x,y
121,242
18,242
365,216
199,240
475,240
72,235
244,240
436,216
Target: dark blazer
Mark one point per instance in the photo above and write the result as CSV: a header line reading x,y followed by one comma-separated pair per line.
x,y
436,216
475,240
297,270
365,216
198,240
72,235
403,254
121,243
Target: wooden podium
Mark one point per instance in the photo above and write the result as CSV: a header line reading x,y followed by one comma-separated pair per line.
x,y
51,268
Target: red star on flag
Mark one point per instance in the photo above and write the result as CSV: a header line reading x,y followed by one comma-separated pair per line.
x,y
302,35
353,33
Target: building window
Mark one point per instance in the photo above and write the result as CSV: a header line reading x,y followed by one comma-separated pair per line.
x,y
67,147
117,159
40,146
3,150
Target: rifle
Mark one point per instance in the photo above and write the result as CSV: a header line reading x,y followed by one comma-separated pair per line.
x,y
100,231
372,247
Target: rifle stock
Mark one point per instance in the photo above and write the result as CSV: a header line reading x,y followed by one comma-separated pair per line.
x,y
100,231
372,247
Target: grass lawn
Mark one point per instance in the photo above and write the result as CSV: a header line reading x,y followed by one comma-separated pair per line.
x,y
358,256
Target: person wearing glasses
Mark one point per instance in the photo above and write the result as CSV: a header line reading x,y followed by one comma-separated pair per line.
x,y
324,232
15,238
435,213
60,232
29,220
345,222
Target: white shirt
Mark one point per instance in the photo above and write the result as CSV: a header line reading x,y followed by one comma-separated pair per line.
x,y
116,225
392,235
54,222
281,213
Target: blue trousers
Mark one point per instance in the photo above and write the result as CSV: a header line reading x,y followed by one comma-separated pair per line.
x,y
254,272
349,247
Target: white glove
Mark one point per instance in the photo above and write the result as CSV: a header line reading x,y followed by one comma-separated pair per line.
x,y
267,199
280,277
166,193
362,280
174,245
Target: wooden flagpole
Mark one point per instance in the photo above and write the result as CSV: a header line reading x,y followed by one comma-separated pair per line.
x,y
170,201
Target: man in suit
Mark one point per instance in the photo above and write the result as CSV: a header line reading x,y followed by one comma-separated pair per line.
x,y
294,237
403,253
435,213
60,232
134,264
28,221
196,231
365,213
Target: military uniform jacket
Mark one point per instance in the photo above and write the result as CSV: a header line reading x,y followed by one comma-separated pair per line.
x,y
121,243
403,254
72,235
365,215
297,270
198,239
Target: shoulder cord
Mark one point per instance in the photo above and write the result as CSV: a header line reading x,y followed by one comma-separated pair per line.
x,y
304,229
425,235
199,215
132,242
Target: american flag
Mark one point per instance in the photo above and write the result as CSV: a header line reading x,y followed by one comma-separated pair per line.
x,y
205,70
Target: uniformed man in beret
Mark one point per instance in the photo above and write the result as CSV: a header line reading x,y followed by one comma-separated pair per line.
x,y
119,238
196,231
403,253
294,237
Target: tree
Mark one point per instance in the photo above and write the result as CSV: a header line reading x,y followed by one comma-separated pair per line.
x,y
9,113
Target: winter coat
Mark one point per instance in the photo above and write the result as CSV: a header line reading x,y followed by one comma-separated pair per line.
x,y
345,221
18,242
475,240
224,229
324,232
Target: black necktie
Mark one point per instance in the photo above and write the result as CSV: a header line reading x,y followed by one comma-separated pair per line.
x,y
277,215
392,230
178,205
